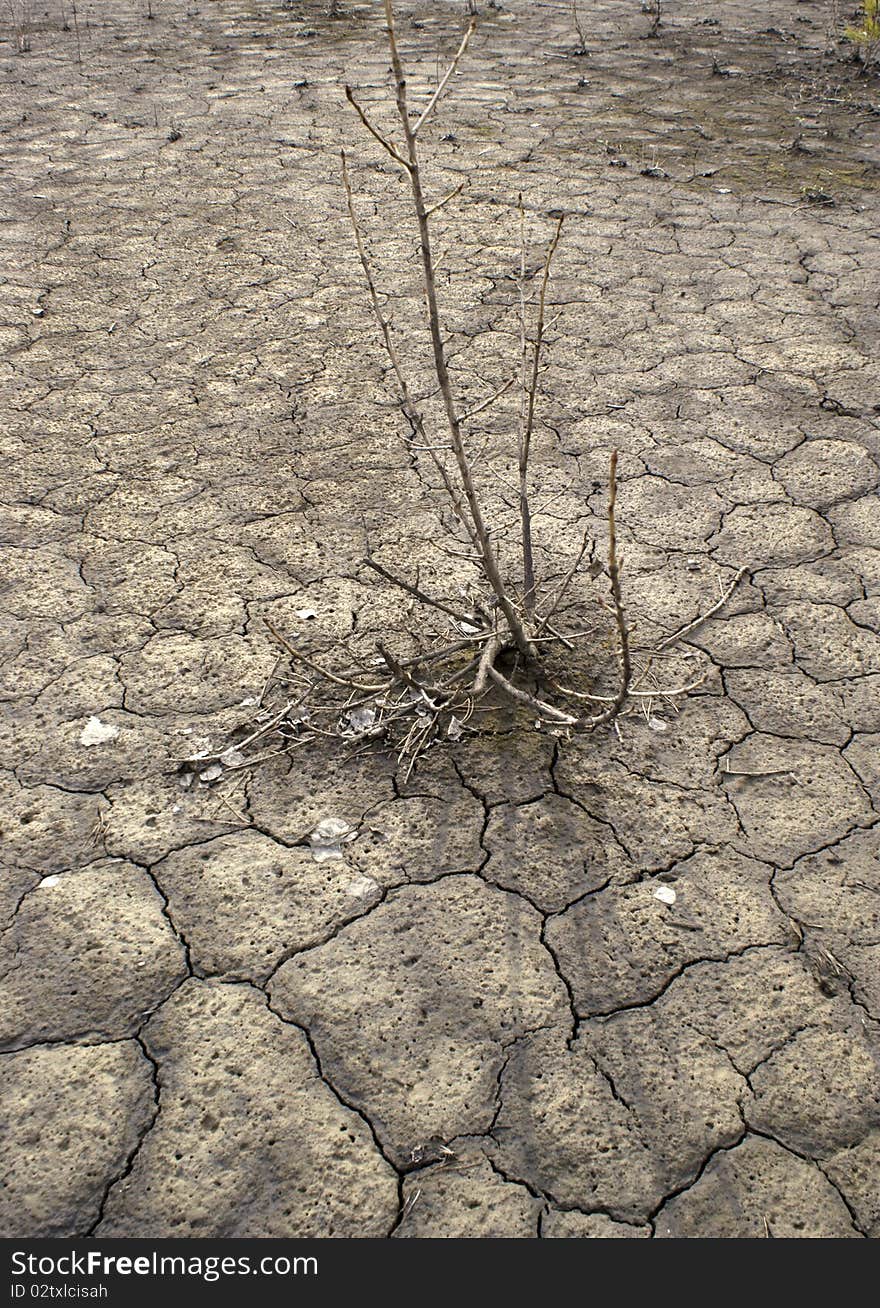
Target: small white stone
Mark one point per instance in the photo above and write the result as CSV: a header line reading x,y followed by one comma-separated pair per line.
x,y
96,732
328,837
362,888
665,894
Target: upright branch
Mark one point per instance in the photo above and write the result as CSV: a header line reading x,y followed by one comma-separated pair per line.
x,y
578,27
487,551
441,87
413,413
527,414
617,599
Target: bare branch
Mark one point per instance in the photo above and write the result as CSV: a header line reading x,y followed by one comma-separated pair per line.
x,y
398,158
451,196
484,404
622,631
560,594
406,401
426,112
419,594
532,702
487,660
704,617
489,561
529,418
316,667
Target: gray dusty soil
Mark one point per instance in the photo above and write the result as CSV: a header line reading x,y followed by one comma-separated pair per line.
x,y
483,1021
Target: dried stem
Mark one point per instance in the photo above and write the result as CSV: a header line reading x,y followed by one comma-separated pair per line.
x,y
704,617
419,594
525,440
406,402
426,112
578,27
487,552
544,623
487,659
316,667
383,141
620,617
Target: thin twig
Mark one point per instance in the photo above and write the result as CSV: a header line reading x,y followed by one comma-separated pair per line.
x,y
406,402
704,617
527,428
532,702
489,561
316,667
484,404
397,157
419,594
567,580
620,617
440,203
426,112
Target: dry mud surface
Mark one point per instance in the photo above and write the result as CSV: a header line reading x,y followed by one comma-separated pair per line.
x,y
482,1021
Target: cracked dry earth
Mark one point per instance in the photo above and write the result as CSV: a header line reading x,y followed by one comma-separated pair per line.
x,y
205,1031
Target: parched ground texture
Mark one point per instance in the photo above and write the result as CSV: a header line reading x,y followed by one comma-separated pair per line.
x,y
482,1021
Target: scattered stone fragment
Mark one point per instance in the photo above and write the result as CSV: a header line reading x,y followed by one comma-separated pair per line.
x,y
327,838
96,732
